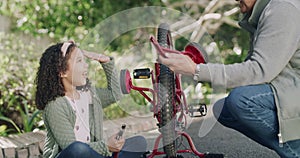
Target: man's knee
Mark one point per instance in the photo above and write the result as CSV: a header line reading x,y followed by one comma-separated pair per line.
x,y
231,102
236,98
230,109
236,102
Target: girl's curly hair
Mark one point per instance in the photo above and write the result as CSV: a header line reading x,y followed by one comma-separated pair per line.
x,y
48,80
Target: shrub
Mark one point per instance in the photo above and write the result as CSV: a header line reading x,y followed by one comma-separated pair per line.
x,y
18,65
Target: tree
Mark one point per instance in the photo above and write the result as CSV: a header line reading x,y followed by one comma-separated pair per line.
x,y
63,20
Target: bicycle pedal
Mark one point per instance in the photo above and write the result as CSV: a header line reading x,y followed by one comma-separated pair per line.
x,y
213,155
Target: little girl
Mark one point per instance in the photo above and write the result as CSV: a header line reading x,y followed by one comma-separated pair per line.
x,y
72,109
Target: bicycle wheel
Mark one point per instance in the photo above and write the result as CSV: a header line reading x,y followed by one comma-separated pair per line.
x,y
166,96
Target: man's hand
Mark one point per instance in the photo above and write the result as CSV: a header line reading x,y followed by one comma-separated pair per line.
x,y
179,63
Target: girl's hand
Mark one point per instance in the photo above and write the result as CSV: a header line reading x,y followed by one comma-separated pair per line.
x,y
95,56
115,145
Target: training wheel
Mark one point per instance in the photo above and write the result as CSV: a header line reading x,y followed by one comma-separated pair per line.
x,y
125,81
196,52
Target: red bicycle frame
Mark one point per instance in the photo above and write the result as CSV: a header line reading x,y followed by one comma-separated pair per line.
x,y
179,104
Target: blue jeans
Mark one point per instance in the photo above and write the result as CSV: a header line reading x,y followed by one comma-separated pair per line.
x,y
134,147
251,110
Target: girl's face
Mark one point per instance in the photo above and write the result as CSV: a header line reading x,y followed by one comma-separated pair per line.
x,y
76,73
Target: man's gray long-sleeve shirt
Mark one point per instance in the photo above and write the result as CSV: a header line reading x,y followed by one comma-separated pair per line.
x,y
274,58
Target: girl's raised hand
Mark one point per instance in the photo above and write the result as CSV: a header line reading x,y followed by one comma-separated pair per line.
x,y
95,56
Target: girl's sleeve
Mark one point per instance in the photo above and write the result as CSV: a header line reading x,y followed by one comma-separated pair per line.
x,y
112,93
100,147
60,124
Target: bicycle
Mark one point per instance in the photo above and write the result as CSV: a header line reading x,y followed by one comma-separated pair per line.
x,y
168,100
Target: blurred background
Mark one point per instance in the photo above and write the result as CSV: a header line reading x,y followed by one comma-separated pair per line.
x,y
28,27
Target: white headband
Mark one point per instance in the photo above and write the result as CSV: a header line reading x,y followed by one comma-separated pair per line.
x,y
65,47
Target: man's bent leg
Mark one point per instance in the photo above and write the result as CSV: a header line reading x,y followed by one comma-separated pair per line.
x,y
251,110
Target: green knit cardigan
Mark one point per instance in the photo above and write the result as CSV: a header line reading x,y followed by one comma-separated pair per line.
x,y
59,117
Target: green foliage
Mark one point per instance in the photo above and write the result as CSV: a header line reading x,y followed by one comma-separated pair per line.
x,y
74,19
18,66
114,111
3,128
64,19
59,20
227,42
30,120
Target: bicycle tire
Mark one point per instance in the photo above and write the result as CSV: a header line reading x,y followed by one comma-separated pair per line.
x,y
167,96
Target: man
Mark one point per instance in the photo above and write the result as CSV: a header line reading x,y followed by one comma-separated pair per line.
x,y
265,104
